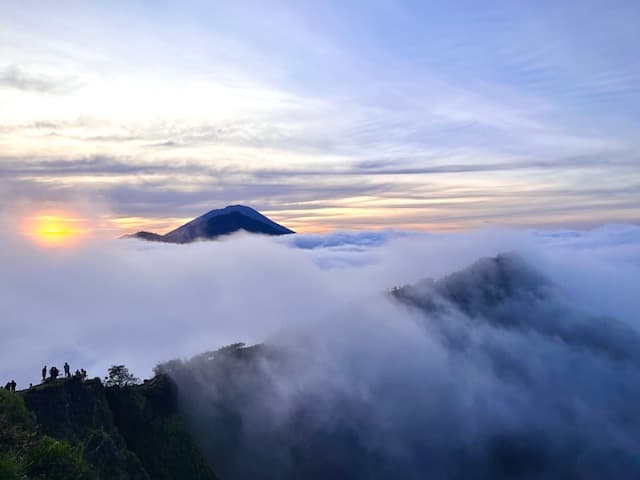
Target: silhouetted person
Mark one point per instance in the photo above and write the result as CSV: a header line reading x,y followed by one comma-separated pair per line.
x,y
44,373
8,386
67,370
53,373
13,385
83,373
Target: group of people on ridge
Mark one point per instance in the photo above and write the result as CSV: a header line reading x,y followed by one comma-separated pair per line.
x,y
54,373
11,386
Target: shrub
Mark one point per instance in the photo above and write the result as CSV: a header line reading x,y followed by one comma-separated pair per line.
x,y
54,460
12,408
119,376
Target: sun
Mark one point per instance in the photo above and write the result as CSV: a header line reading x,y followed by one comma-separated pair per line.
x,y
57,229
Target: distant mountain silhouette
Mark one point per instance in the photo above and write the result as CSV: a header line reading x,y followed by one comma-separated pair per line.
x,y
215,223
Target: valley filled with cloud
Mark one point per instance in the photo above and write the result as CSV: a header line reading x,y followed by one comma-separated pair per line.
x,y
532,354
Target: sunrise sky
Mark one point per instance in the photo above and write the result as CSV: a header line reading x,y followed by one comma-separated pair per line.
x,y
322,115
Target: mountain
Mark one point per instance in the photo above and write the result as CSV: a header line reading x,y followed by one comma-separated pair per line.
x,y
222,221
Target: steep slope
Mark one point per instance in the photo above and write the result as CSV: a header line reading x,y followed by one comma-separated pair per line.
x,y
78,412
147,417
73,429
219,222
25,453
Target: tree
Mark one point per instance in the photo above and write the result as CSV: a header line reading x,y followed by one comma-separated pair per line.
x,y
119,376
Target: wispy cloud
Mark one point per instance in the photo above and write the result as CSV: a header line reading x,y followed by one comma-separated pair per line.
x,y
16,77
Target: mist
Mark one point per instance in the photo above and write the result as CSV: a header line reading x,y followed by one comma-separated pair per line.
x,y
141,303
527,370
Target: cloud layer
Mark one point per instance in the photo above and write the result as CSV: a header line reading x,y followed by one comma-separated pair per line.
x,y
505,366
110,299
491,372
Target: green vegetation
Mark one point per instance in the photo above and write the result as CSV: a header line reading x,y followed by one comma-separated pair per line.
x,y
119,376
27,454
147,417
74,429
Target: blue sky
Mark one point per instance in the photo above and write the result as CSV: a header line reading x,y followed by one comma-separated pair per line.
x,y
325,115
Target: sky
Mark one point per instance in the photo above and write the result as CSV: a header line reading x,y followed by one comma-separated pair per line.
x,y
418,115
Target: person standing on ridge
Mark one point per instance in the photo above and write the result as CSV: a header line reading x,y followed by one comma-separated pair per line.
x,y
67,370
44,374
13,386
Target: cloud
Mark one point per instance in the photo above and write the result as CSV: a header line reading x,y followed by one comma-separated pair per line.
x,y
105,165
504,365
445,191
360,240
97,165
16,77
573,163
492,372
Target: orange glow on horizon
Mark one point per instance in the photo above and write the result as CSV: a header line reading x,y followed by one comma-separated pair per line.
x,y
59,229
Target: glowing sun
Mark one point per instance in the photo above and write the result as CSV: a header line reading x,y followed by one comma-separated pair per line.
x,y
55,230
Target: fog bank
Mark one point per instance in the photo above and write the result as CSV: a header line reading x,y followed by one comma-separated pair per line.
x,y
127,301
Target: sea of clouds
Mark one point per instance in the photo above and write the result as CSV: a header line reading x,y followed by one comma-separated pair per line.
x,y
139,303
543,382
